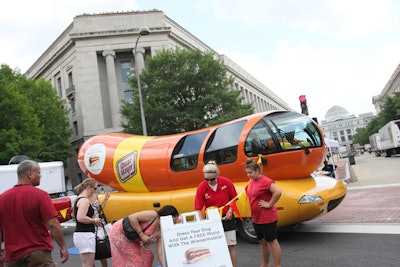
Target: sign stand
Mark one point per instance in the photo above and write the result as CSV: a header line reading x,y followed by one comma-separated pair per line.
x,y
195,242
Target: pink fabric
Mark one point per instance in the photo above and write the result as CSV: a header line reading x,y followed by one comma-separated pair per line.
x,y
126,253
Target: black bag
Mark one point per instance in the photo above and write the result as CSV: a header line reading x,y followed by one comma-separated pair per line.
x,y
129,232
103,249
229,225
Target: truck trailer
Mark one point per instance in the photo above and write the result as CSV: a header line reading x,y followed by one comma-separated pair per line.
x,y
376,146
390,138
52,181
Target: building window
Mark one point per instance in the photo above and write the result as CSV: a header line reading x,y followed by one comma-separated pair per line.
x,y
349,136
128,96
125,70
75,127
70,80
72,103
59,87
342,136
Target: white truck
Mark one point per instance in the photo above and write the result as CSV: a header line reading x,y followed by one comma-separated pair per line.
x,y
390,138
376,147
52,180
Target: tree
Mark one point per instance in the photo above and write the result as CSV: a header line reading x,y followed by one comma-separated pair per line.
x,y
390,111
33,120
361,136
183,90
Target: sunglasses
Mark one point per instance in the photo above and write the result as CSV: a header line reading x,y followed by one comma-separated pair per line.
x,y
210,180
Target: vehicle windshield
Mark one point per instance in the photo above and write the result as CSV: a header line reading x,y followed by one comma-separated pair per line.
x,y
283,131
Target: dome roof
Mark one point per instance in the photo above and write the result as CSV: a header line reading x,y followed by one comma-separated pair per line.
x,y
336,113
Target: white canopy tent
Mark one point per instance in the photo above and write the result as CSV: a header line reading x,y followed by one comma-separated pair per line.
x,y
331,143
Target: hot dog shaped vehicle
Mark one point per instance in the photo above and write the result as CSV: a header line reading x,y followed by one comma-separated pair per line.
x,y
152,171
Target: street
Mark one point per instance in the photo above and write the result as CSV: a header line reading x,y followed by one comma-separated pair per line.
x,y
357,233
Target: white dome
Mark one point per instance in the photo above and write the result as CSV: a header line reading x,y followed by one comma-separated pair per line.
x,y
336,113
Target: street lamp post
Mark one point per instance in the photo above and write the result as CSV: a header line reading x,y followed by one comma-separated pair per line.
x,y
142,31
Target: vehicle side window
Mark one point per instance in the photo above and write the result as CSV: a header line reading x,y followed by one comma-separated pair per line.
x,y
260,132
223,143
186,152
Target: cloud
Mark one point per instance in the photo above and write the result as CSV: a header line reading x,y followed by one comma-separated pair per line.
x,y
336,52
29,27
334,17
327,76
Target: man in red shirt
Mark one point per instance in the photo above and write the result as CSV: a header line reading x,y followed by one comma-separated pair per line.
x,y
26,217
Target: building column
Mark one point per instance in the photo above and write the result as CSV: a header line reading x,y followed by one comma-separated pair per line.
x,y
139,58
112,87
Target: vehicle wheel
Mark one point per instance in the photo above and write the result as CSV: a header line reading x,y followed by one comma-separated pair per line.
x,y
246,230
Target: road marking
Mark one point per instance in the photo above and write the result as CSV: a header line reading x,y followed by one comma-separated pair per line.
x,y
354,228
371,186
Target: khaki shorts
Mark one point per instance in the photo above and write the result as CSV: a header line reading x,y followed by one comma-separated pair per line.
x,y
230,237
37,258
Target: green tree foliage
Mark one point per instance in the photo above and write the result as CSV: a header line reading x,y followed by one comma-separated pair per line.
x,y
183,90
390,111
361,136
33,120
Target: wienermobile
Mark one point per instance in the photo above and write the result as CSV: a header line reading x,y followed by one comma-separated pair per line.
x,y
148,172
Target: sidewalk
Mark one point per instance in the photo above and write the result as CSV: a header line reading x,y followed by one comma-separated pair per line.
x,y
373,194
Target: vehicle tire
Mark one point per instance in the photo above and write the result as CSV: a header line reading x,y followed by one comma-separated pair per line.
x,y
246,230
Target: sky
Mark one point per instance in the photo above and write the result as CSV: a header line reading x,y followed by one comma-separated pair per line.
x,y
336,52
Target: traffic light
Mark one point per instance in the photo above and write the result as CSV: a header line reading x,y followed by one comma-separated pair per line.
x,y
303,104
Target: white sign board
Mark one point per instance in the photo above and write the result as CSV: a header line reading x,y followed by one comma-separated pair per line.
x,y
195,243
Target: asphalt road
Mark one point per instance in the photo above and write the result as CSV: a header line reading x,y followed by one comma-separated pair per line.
x,y
300,249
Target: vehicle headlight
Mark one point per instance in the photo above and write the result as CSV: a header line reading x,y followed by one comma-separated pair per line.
x,y
310,199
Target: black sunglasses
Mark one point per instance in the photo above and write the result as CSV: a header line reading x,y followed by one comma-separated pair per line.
x,y
210,180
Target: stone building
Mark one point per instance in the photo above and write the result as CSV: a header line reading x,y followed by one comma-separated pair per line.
x,y
340,125
90,62
392,86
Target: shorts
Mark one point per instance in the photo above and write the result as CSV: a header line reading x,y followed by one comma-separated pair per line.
x,y
230,237
85,242
267,231
37,258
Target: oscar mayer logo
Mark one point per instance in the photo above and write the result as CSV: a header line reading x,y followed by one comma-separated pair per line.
x,y
126,167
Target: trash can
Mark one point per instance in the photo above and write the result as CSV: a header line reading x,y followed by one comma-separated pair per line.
x,y
352,160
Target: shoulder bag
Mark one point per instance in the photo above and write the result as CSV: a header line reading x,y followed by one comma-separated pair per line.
x,y
103,250
129,232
